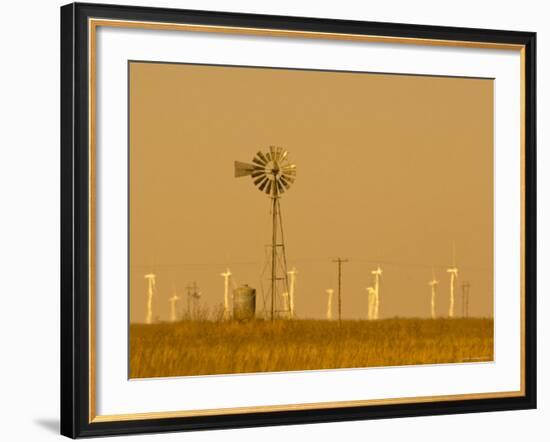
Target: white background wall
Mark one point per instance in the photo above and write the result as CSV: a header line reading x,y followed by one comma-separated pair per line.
x,y
29,219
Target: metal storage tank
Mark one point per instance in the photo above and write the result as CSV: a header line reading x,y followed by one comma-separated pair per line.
x,y
244,303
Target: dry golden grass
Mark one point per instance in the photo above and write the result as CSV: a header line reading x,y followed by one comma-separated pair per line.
x,y
206,347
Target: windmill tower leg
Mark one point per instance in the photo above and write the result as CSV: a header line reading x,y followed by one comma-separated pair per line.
x,y
274,256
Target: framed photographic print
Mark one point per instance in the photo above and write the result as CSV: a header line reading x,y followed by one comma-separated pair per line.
x,y
274,220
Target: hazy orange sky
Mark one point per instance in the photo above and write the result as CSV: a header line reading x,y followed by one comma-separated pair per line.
x,y
391,169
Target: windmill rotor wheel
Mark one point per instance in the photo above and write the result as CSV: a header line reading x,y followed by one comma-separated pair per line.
x,y
271,172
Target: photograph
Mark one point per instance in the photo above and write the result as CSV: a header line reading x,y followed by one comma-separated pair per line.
x,y
284,219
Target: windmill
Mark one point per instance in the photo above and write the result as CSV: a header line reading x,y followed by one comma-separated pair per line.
x,y
226,275
453,271
433,284
173,300
371,302
377,274
151,287
273,174
329,305
292,274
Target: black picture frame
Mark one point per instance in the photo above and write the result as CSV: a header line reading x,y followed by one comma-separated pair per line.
x,y
75,221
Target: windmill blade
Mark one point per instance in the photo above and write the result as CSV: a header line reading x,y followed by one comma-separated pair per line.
x,y
285,182
276,153
243,169
289,169
280,187
263,184
268,189
289,178
262,158
258,180
257,173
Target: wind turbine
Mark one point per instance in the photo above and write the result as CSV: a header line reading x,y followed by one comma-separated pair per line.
x,y
151,282
453,271
377,273
371,302
329,306
292,274
226,275
173,300
433,284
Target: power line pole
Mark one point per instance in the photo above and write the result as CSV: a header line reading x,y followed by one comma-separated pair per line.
x,y
465,298
339,261
192,292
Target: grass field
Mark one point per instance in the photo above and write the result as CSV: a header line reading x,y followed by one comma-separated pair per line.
x,y
207,347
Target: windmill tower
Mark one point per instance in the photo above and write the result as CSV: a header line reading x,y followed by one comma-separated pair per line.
x,y
377,274
330,293
292,273
453,272
151,287
273,174
433,284
371,302
173,300
226,275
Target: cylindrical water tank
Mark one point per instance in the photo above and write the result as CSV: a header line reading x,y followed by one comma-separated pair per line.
x,y
244,303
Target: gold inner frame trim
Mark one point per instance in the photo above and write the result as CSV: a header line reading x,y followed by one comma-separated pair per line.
x,y
93,24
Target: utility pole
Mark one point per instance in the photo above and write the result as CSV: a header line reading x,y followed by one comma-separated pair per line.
x,y
339,261
465,298
192,292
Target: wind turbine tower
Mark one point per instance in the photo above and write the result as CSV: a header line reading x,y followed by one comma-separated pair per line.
x,y
453,271
226,275
292,274
151,286
371,302
329,305
377,274
433,284
173,300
